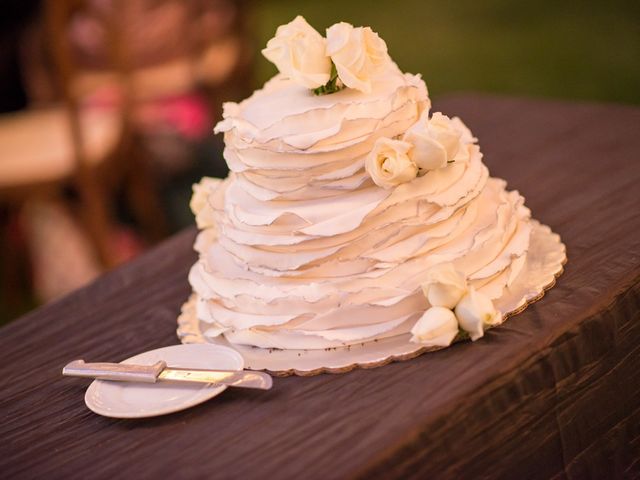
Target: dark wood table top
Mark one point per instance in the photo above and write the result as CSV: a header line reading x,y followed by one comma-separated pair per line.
x,y
551,393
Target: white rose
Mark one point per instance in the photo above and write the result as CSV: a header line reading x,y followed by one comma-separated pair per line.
x,y
199,203
388,163
357,53
444,286
437,141
437,327
475,311
466,137
299,52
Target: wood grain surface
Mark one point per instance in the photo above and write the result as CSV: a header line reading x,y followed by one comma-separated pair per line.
x,y
553,393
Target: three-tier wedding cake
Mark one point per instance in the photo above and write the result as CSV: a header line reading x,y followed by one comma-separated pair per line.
x,y
353,213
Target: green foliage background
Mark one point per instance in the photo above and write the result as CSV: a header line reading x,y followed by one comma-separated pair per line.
x,y
588,50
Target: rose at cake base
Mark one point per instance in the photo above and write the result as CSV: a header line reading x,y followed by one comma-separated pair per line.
x,y
352,213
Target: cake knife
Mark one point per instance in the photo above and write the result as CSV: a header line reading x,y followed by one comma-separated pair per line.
x,y
160,372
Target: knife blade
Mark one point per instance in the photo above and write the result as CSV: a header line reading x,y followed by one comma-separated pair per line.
x,y
160,372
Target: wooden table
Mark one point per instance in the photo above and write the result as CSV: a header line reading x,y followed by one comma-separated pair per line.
x,y
555,392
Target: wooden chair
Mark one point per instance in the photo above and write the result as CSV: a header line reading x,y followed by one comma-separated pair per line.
x,y
97,151
92,150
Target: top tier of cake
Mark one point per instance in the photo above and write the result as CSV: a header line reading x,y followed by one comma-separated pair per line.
x,y
285,143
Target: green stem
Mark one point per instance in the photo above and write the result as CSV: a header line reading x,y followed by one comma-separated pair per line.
x,y
331,86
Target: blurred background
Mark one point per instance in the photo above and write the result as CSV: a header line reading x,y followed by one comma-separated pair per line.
x,y
107,106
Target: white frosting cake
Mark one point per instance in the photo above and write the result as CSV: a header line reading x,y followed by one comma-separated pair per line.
x,y
353,215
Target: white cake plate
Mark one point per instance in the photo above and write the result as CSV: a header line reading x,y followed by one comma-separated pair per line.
x,y
545,260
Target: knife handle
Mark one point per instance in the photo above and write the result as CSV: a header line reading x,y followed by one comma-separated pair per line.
x,y
115,371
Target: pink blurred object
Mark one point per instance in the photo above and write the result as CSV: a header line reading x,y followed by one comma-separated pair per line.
x,y
127,244
187,115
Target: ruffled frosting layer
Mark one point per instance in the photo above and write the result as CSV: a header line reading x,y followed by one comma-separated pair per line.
x,y
302,250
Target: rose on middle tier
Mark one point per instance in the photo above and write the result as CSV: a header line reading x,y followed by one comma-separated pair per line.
x,y
430,144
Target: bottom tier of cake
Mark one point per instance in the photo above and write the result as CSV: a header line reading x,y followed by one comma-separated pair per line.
x,y
545,260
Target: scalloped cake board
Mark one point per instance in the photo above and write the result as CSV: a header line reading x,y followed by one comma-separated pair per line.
x,y
545,260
